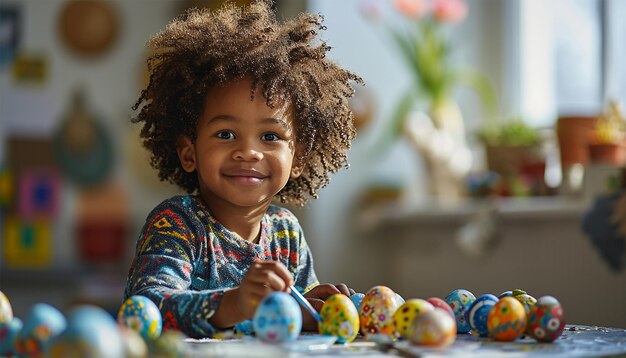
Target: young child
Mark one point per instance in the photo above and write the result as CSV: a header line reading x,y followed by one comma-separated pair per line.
x,y
240,109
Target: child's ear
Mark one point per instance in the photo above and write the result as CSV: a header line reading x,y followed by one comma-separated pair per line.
x,y
186,153
296,170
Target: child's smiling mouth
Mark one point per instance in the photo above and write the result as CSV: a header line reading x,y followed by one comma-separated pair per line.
x,y
245,176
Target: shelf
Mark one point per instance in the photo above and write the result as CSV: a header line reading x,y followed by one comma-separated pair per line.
x,y
396,214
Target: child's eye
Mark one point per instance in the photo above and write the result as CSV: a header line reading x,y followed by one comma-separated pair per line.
x,y
270,137
226,135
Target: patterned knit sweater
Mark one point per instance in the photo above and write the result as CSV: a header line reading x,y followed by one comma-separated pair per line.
x,y
185,260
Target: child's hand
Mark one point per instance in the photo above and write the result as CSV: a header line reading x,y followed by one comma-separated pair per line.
x,y
263,278
316,297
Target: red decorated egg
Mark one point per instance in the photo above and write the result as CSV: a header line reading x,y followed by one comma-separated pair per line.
x,y
546,320
376,311
439,303
506,320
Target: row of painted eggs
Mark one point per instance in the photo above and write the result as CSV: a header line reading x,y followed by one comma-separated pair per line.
x,y
86,331
432,322
509,316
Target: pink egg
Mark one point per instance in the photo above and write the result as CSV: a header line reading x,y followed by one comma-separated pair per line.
x,y
433,328
439,303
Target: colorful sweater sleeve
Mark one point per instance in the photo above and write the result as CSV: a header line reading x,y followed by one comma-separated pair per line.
x,y
305,278
161,270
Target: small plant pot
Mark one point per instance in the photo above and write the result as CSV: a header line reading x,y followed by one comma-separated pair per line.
x,y
608,153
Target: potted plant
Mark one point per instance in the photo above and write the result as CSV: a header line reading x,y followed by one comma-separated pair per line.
x,y
428,110
513,151
608,142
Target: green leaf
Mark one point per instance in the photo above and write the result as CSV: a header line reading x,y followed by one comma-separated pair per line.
x,y
393,128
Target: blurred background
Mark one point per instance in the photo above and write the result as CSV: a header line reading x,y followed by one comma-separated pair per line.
x,y
490,154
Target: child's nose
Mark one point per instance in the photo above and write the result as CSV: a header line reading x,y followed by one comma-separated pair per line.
x,y
247,151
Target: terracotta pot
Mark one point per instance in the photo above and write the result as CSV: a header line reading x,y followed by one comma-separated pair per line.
x,y
508,160
574,134
610,153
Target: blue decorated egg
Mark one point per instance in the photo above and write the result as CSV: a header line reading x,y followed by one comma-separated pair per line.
x,y
460,301
477,315
357,298
6,312
8,337
42,324
278,318
506,294
142,315
91,332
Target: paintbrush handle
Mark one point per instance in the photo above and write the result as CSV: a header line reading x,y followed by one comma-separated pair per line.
x,y
305,303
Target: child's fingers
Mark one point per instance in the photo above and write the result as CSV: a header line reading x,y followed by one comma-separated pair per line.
x,y
343,288
279,269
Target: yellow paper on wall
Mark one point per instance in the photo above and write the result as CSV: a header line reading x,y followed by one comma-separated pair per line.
x,y
28,243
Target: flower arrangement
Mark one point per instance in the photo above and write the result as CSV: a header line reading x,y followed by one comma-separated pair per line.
x,y
608,142
424,43
611,126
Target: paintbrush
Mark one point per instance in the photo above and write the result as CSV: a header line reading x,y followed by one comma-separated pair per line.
x,y
304,303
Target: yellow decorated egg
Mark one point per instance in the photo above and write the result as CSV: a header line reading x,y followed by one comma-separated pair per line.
x,y
434,328
377,309
6,312
407,312
339,318
506,320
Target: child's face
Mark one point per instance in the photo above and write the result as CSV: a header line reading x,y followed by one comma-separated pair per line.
x,y
244,151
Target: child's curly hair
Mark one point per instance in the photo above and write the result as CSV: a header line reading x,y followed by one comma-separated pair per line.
x,y
203,49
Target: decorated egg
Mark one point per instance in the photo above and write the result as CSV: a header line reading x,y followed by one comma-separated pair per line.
x,y
477,315
90,332
377,309
245,328
439,303
525,299
433,328
505,294
546,319
6,312
134,345
399,300
357,298
407,312
42,324
169,344
339,318
8,337
506,320
277,318
142,315
460,301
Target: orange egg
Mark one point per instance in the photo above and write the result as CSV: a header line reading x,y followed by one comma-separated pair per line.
x,y
506,320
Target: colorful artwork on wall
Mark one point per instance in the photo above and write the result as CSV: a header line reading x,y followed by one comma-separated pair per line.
x,y
39,193
27,243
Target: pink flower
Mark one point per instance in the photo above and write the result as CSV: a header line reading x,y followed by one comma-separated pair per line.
x,y
412,8
371,10
451,11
